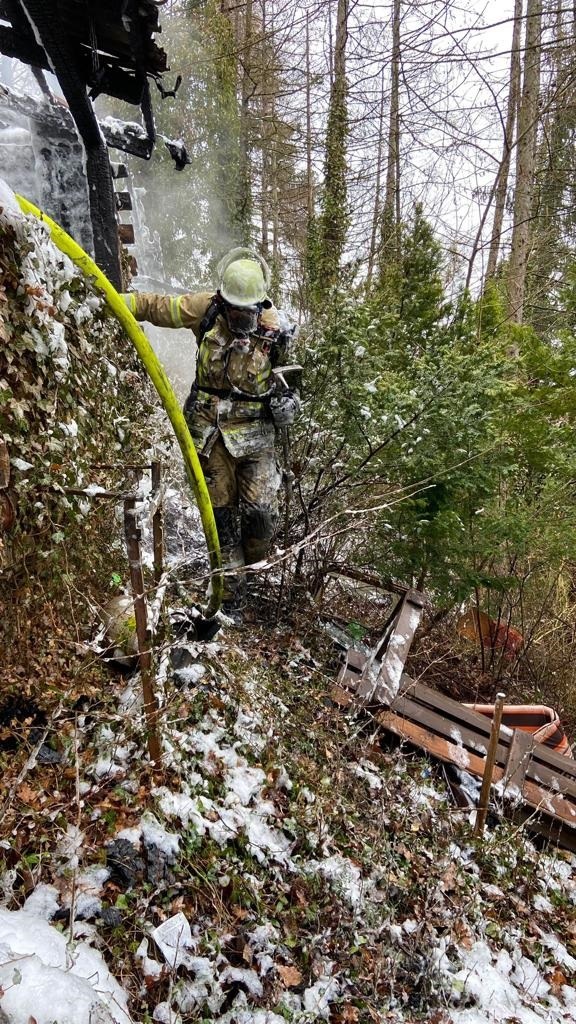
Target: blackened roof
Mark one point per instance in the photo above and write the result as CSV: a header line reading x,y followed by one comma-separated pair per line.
x,y
111,40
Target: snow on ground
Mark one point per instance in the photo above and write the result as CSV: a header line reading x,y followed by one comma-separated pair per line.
x,y
264,904
45,978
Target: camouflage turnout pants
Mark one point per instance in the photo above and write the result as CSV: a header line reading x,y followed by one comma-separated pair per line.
x,y
244,493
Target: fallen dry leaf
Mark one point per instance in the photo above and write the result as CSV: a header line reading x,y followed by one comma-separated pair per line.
x,y
449,878
298,896
463,934
239,912
290,975
347,1015
27,794
556,980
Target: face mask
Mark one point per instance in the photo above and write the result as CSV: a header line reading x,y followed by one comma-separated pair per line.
x,y
242,320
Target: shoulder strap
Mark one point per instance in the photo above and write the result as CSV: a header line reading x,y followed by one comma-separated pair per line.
x,y
209,319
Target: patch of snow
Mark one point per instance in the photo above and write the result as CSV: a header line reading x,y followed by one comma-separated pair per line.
x,y
150,968
204,990
92,489
243,783
43,902
263,938
10,210
558,949
283,780
45,978
208,743
239,1013
154,834
344,875
264,840
318,997
69,848
368,774
164,1015
191,674
543,904
307,795
248,729
469,784
244,976
21,464
502,986
88,890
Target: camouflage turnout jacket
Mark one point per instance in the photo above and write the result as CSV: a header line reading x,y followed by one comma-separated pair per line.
x,y
245,427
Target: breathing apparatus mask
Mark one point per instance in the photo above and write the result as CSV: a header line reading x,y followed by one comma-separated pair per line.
x,y
243,280
242,321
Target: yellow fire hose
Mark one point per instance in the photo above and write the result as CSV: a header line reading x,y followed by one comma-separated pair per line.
x,y
156,373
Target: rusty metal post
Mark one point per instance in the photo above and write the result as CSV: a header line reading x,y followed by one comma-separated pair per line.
x,y
151,710
157,521
482,812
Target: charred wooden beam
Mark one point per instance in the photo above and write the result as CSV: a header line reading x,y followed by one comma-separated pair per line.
x,y
52,115
111,78
23,48
123,201
101,25
127,136
126,234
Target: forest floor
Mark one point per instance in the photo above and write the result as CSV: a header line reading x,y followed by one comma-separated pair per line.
x,y
288,863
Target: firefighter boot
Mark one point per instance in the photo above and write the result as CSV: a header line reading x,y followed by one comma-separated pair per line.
x,y
234,595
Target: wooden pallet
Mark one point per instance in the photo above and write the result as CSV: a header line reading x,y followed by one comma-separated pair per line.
x,y
537,786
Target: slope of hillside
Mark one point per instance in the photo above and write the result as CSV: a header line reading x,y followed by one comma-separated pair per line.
x,y
287,863
283,866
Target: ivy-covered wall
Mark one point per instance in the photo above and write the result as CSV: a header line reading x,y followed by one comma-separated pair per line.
x,y
72,397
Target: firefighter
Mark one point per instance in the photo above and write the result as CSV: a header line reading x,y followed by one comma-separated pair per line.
x,y
235,404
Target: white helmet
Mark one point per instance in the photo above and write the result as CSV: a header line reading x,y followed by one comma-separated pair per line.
x,y
243,277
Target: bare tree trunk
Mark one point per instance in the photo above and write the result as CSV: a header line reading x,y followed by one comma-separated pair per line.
x,y
504,168
265,140
333,222
390,221
264,202
527,133
275,191
553,207
330,47
309,175
275,197
377,190
244,184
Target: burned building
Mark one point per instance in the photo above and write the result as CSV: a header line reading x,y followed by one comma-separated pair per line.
x,y
93,49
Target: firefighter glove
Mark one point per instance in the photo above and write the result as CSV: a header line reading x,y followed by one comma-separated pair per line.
x,y
283,408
